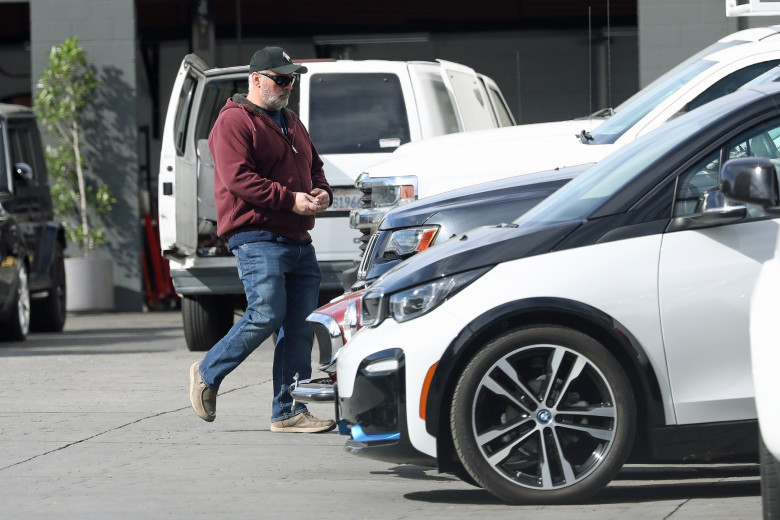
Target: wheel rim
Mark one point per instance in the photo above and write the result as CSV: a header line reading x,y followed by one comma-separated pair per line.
x,y
23,303
544,417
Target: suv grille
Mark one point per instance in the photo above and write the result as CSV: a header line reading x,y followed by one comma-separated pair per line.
x,y
365,203
368,254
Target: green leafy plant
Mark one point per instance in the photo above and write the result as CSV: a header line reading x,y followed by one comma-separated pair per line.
x,y
65,90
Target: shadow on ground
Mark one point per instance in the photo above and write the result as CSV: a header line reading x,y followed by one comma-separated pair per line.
x,y
97,341
648,484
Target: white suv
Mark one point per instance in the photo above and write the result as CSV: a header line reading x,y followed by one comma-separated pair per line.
x,y
609,321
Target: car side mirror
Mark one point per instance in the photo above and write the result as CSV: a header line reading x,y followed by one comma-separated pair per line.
x,y
751,180
23,171
713,209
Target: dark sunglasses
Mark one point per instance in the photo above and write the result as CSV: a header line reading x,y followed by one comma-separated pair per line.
x,y
282,81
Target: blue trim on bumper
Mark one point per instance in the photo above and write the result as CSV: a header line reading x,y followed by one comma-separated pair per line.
x,y
360,436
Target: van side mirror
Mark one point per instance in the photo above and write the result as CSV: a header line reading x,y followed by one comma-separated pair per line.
x,y
751,180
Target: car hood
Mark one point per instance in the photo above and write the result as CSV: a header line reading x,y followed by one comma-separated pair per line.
x,y
480,247
483,194
470,162
564,129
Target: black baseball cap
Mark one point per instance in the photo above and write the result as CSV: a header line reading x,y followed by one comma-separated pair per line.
x,y
276,60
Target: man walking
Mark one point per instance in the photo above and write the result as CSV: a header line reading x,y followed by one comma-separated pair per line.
x,y
268,185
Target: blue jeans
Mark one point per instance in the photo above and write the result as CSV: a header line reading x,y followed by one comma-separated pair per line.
x,y
281,279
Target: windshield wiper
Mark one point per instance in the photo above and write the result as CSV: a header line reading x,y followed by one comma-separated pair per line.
x,y
585,137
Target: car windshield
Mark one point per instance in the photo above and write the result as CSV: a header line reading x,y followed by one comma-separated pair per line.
x,y
640,104
584,195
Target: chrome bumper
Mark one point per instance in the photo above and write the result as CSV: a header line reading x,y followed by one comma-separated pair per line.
x,y
312,390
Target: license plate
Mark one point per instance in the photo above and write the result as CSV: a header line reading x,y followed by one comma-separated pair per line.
x,y
345,199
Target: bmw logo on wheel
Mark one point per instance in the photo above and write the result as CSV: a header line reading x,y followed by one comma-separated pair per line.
x,y
544,417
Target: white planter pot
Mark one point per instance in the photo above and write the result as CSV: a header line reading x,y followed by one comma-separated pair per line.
x,y
90,284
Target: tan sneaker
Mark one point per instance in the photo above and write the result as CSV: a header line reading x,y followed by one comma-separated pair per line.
x,y
202,397
303,423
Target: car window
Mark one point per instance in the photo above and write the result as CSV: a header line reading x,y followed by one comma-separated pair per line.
x,y
695,182
502,111
471,101
628,113
586,194
729,84
693,185
642,103
215,96
183,107
440,118
213,99
357,113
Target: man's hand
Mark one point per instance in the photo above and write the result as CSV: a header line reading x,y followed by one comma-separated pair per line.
x,y
306,204
322,199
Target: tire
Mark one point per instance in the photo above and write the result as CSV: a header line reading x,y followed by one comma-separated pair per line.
x,y
206,320
770,483
461,473
48,314
526,441
16,325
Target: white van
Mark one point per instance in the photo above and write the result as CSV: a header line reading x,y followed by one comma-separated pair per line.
x,y
357,112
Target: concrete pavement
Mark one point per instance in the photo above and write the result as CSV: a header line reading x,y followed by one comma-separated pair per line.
x,y
95,422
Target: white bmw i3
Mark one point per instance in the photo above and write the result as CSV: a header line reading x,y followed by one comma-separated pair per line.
x,y
609,323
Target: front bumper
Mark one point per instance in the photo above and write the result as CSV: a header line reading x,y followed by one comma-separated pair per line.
x,y
375,414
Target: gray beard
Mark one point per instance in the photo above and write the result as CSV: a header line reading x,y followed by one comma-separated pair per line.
x,y
275,103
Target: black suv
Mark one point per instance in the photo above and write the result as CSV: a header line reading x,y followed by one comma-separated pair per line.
x,y
32,268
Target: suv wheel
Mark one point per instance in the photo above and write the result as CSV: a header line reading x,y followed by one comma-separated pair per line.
x,y
543,415
17,325
48,314
206,320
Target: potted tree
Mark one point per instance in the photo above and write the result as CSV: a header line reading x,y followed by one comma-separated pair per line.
x,y
65,90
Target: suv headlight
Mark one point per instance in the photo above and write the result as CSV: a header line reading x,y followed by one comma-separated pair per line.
x,y
414,302
406,242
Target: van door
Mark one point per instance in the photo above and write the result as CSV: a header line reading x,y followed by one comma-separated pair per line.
x,y
178,188
469,95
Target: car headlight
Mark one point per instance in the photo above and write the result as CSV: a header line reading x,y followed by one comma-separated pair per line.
x,y
406,242
385,192
414,302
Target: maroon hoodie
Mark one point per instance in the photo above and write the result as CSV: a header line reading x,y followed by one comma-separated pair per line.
x,y
258,170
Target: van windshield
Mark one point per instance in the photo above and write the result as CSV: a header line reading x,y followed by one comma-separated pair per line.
x,y
357,113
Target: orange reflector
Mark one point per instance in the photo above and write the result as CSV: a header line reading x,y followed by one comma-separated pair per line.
x,y
407,192
426,386
426,239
